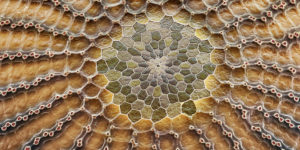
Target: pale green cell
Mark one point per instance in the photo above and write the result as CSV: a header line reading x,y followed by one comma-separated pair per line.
x,y
118,98
128,31
138,105
124,55
134,83
131,64
179,77
174,110
108,53
139,46
157,91
185,65
113,75
203,58
198,84
147,112
168,41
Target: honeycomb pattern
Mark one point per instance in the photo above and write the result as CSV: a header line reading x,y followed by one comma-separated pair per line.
x,y
156,74
156,66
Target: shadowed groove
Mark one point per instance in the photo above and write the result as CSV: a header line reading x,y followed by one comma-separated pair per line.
x,y
97,138
29,70
33,96
66,137
204,122
239,127
44,120
42,13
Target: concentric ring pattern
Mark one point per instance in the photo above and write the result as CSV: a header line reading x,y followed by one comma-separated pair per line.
x,y
149,74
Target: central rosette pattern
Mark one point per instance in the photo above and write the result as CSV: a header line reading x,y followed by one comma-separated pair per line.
x,y
156,69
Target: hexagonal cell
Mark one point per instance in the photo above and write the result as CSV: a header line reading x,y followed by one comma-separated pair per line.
x,y
122,121
102,25
116,32
77,25
103,41
155,104
141,18
94,106
136,5
126,90
134,115
89,68
131,98
181,123
156,35
114,86
158,114
217,41
197,21
113,75
173,98
91,90
198,94
211,82
146,112
119,98
95,10
112,62
182,17
172,89
214,22
167,141
94,52
189,107
139,28
100,80
137,37
163,125
106,96
154,12
202,33
142,95
138,105
124,56
121,66
209,68
171,7
76,80
79,43
125,108
102,66
232,36
128,20
143,125
116,12
135,83
127,72
174,110
182,57
183,96
166,22
119,46
111,111
189,78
